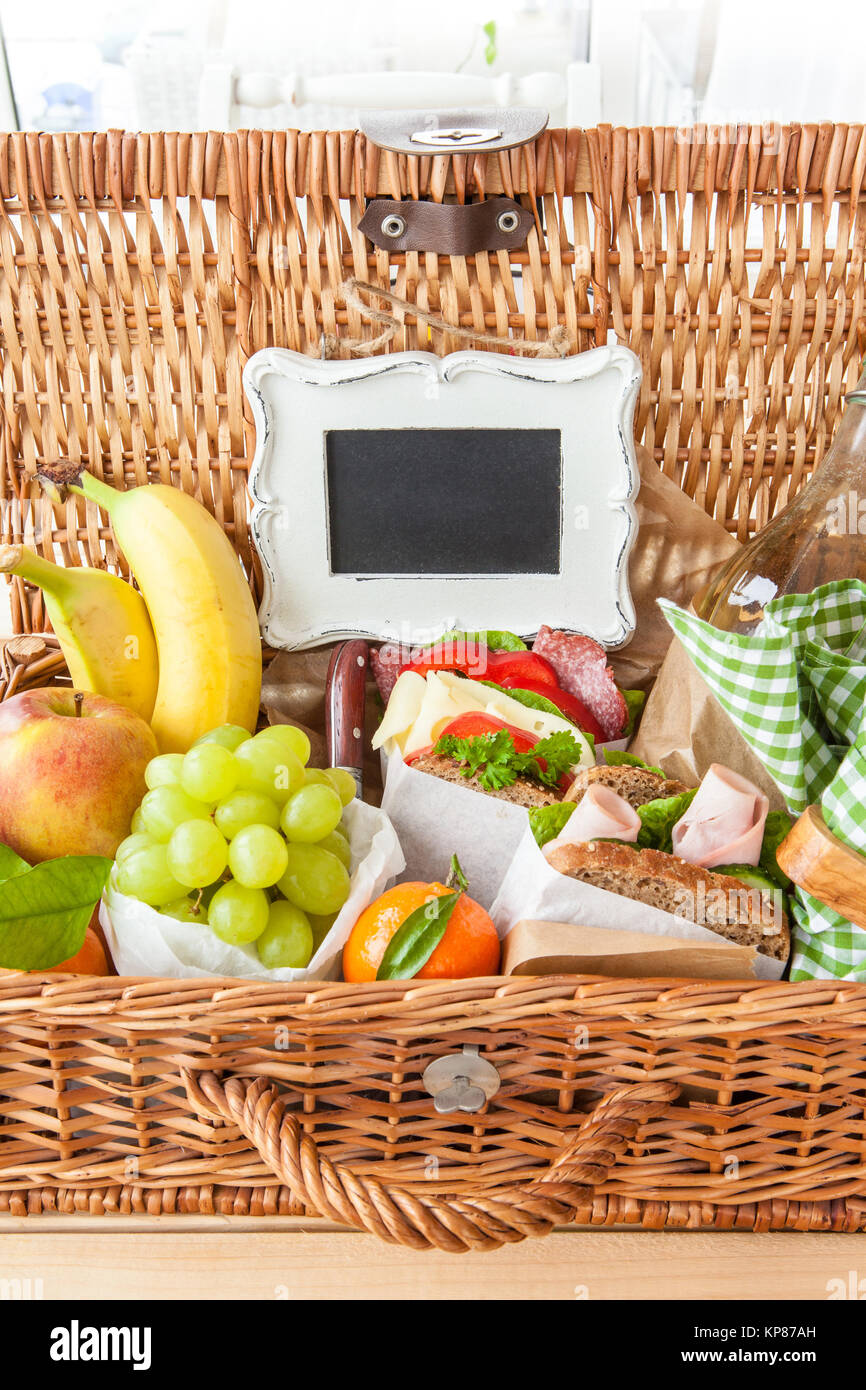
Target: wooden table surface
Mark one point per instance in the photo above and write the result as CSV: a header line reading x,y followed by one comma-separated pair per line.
x,y
230,1257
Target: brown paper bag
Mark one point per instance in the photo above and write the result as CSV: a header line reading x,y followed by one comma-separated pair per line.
x,y
559,948
677,552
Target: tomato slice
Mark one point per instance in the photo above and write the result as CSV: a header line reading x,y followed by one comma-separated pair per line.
x,y
479,663
475,724
567,704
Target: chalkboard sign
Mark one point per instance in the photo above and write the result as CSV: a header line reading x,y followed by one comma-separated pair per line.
x,y
444,502
395,497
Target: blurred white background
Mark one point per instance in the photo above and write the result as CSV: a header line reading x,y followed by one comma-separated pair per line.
x,y
171,63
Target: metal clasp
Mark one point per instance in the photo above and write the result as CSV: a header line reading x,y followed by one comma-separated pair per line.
x,y
457,135
463,1081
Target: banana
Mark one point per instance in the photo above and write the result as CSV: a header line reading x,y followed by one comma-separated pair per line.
x,y
203,615
102,626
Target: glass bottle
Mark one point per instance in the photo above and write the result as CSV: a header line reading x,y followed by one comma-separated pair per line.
x,y
819,536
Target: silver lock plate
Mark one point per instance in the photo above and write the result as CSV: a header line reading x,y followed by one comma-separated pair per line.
x,y
424,132
462,1081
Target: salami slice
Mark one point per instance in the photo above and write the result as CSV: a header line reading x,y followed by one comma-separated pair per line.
x,y
387,662
581,669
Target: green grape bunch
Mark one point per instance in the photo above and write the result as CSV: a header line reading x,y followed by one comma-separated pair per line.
x,y
240,837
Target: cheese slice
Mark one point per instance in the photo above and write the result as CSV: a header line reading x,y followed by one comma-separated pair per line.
x,y
449,695
419,710
404,706
443,701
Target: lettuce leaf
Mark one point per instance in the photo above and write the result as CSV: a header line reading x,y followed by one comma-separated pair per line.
x,y
659,817
634,703
546,822
494,640
777,827
615,757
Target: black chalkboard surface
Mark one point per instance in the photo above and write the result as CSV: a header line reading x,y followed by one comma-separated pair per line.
x,y
444,501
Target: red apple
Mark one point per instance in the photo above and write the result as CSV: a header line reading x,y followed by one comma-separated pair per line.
x,y
71,772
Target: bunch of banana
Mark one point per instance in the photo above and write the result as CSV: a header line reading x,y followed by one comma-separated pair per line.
x,y
102,625
200,606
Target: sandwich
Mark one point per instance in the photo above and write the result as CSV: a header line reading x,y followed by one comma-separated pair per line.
x,y
706,854
487,755
564,673
485,738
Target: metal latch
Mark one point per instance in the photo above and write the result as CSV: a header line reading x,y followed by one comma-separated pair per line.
x,y
462,1081
455,135
424,131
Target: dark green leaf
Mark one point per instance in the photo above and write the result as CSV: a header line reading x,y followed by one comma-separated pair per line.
x,y
44,912
11,864
546,822
490,757
494,760
559,751
414,942
659,817
615,757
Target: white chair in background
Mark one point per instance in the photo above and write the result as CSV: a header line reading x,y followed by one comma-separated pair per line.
x,y
572,97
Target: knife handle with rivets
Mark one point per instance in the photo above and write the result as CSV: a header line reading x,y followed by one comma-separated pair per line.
x,y
345,698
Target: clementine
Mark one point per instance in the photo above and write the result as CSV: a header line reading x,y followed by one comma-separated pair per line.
x,y
91,959
469,947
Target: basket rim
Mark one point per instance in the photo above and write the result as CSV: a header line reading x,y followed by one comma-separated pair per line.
x,y
683,1006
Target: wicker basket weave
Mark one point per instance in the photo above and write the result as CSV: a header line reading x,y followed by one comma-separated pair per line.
x,y
139,273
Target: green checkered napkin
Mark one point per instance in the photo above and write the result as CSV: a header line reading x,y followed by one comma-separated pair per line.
x,y
796,690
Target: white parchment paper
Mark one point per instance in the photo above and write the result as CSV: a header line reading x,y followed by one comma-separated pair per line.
x,y
435,819
532,891
144,942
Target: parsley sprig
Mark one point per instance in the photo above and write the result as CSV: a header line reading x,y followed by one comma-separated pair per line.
x,y
495,761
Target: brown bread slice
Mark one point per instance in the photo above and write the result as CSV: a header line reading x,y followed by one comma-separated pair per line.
x,y
636,784
723,904
523,792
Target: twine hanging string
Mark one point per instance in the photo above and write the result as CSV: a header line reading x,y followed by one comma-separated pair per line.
x,y
557,343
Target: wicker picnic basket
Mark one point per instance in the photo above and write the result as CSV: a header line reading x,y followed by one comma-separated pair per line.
x,y
138,274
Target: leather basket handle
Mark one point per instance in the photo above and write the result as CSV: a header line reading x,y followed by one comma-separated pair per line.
x,y
492,1217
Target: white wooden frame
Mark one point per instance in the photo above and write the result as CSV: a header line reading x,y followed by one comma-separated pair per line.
x,y
589,397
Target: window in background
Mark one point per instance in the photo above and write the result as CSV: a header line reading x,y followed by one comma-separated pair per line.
x,y
140,65
145,64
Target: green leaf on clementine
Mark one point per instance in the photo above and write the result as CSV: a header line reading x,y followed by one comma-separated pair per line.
x,y
44,911
416,939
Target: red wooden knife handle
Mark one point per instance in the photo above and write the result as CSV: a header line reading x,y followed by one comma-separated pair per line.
x,y
345,697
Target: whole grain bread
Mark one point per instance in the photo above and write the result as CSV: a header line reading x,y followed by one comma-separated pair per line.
x,y
717,901
636,784
523,792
